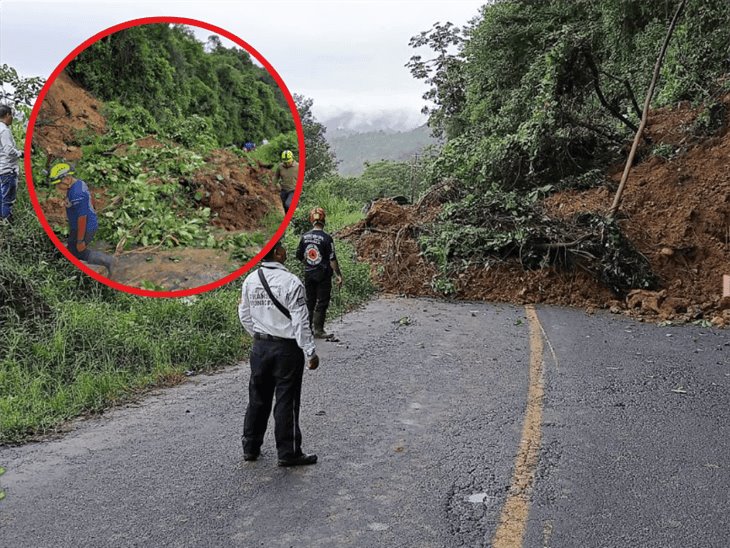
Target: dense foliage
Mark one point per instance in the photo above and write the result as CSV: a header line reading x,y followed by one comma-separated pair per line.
x,y
385,179
70,345
552,89
166,71
320,159
536,94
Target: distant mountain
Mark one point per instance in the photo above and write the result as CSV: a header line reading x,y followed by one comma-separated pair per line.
x,y
353,149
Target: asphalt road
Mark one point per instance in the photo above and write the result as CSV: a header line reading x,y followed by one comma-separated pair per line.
x,y
418,417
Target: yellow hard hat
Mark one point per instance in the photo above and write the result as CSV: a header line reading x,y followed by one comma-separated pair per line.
x,y
287,156
59,171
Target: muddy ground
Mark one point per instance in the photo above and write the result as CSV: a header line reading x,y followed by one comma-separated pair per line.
x,y
675,211
238,191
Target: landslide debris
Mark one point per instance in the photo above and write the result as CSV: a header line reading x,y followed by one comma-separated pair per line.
x,y
237,191
675,219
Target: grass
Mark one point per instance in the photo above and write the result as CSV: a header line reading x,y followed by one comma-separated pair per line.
x,y
72,346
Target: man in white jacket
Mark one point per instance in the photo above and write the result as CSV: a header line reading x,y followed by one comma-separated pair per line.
x,y
273,310
9,155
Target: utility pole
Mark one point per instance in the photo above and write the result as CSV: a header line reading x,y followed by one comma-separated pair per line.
x,y
413,177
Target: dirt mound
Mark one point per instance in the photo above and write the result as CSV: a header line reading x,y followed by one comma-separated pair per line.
x,y
387,239
675,211
67,112
239,192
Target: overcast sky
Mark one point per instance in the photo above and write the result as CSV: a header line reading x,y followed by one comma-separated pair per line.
x,y
346,55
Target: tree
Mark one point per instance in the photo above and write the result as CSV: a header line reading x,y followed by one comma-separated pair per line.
x,y
443,73
16,91
170,73
320,158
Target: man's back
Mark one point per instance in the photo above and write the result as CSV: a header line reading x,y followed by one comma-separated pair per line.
x,y
316,249
78,204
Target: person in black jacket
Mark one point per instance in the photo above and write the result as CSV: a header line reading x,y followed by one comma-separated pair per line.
x,y
317,251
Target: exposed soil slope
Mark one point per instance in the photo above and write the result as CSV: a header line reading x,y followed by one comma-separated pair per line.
x,y
238,192
676,212
67,112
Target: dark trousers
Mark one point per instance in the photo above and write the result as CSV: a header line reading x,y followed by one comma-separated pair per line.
x,y
276,368
318,288
286,198
89,255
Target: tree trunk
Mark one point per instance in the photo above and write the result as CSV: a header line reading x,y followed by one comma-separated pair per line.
x,y
645,115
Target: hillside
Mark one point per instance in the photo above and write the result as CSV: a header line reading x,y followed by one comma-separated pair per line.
x,y
676,213
352,150
151,192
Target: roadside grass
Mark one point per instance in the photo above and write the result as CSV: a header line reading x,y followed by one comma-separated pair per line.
x,y
72,347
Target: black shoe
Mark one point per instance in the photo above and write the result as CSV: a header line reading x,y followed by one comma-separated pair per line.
x,y
301,460
250,456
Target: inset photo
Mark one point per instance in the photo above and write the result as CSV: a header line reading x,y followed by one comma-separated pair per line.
x,y
165,157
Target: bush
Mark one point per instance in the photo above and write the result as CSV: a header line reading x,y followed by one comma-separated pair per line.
x,y
270,153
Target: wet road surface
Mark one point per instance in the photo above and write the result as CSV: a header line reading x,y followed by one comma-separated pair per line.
x,y
419,415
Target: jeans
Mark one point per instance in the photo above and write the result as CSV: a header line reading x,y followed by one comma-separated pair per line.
x,y
8,192
286,199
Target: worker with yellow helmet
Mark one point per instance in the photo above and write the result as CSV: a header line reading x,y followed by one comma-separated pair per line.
x,y
317,252
285,175
82,220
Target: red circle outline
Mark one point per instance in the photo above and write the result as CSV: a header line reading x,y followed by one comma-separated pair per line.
x,y
29,171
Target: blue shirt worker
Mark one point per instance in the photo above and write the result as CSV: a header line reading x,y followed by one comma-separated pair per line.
x,y
9,155
82,221
317,251
273,311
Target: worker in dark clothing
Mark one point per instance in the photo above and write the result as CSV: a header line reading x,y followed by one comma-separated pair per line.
x,y
317,251
82,220
285,175
273,311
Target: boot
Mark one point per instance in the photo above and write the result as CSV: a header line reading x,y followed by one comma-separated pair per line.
x,y
318,324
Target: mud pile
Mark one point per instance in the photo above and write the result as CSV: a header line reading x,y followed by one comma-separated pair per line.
x,y
68,111
387,240
675,211
240,193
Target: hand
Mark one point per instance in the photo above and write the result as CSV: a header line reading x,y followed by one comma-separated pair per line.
x,y
313,362
338,279
81,246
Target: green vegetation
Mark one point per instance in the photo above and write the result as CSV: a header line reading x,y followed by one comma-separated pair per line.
x,y
183,85
381,180
546,94
72,346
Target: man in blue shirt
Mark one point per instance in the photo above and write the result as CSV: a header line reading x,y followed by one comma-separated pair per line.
x,y
82,221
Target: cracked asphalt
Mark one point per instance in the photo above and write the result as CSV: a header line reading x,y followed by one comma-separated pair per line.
x,y
416,415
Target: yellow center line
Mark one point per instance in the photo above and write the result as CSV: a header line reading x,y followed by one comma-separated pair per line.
x,y
513,520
